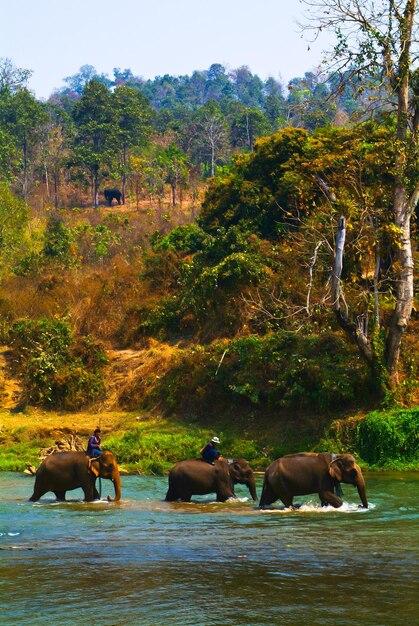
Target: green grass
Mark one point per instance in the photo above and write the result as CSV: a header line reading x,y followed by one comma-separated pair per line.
x,y
381,440
14,457
150,452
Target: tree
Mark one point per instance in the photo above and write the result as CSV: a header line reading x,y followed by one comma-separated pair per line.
x,y
95,140
246,125
211,133
12,78
22,116
55,141
379,39
77,82
175,167
133,119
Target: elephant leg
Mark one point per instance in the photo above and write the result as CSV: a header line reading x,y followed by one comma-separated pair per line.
x,y
60,495
171,495
328,497
89,491
268,495
37,493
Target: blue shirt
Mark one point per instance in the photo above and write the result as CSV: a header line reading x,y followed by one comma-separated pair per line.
x,y
210,453
93,445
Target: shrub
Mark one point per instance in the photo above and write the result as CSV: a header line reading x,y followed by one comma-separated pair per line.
x,y
388,439
283,371
57,371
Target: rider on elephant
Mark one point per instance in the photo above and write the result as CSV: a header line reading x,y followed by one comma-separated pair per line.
x,y
209,453
93,445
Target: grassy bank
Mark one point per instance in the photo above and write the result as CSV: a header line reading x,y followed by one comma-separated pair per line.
x,y
150,444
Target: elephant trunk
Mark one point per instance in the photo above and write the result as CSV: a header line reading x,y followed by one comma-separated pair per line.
x,y
117,484
360,485
252,487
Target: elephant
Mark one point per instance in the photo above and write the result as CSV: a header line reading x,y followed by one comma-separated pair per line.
x,y
197,477
63,471
305,472
110,194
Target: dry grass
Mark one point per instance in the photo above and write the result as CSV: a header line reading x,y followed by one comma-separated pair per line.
x,y
132,374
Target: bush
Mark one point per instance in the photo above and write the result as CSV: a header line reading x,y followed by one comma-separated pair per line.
x,y
389,439
57,371
284,371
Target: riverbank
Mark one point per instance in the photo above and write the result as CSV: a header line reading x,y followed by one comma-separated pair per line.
x,y
146,443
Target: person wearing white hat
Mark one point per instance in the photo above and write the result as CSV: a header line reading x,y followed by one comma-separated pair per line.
x,y
209,452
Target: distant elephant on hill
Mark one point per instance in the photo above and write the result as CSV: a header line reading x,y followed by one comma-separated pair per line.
x,y
63,471
306,472
197,477
110,194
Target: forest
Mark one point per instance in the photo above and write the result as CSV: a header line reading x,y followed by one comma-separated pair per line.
x,y
257,276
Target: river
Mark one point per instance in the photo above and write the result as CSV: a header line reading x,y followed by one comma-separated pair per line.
x,y
144,561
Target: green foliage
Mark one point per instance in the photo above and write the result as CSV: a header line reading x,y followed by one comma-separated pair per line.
x,y
283,371
389,439
152,452
13,222
28,265
259,193
56,370
57,240
188,239
206,287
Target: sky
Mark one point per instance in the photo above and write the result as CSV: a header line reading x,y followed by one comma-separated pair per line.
x,y
54,38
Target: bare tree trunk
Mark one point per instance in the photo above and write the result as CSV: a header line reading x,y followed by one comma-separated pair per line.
x,y
25,170
96,187
403,207
124,173
357,330
212,159
55,188
46,175
404,300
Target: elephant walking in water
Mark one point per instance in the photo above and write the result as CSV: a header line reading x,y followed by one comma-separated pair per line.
x,y
304,473
196,477
63,471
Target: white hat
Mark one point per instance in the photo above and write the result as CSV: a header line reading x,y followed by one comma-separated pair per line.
x,y
215,440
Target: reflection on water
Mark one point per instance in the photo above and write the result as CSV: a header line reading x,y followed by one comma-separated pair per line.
x,y
145,561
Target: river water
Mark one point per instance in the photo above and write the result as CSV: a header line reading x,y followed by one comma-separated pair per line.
x,y
144,561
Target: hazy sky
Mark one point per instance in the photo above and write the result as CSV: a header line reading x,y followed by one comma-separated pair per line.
x,y
154,37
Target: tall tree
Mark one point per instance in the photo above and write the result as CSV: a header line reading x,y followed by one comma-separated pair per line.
x,y
12,77
211,133
246,124
133,118
77,82
22,116
95,137
175,167
378,38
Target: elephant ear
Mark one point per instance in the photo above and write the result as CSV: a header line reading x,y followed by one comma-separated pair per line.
x,y
93,467
334,469
221,472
